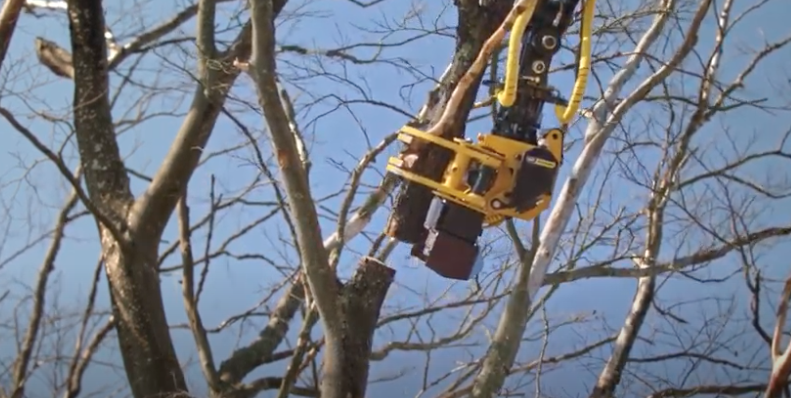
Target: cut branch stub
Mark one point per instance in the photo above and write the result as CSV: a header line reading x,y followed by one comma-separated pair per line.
x,y
361,302
54,57
412,202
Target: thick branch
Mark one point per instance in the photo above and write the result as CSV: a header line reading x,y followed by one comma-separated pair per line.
x,y
320,276
54,57
9,15
216,76
246,359
361,301
144,338
610,375
105,173
314,257
512,323
510,328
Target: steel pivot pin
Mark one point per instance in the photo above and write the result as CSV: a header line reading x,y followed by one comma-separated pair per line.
x,y
549,42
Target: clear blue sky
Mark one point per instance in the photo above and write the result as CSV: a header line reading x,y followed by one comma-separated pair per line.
x,y
31,199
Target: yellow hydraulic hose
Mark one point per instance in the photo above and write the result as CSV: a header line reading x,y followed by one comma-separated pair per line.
x,y
507,96
566,113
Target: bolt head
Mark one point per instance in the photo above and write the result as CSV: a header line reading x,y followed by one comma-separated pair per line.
x,y
549,42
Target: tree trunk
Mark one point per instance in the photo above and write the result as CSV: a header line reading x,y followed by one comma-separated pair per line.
x,y
150,361
130,257
475,25
361,300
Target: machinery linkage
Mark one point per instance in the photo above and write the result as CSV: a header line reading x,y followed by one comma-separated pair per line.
x,y
509,173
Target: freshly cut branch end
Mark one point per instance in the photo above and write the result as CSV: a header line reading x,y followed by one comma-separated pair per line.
x,y
243,66
54,57
361,302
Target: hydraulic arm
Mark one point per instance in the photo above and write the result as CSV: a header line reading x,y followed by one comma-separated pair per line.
x,y
509,173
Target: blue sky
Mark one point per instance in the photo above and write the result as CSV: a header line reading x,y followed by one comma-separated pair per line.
x,y
336,134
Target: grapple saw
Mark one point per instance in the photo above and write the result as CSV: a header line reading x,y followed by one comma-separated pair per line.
x,y
510,172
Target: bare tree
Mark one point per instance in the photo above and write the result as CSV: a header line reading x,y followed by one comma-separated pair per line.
x,y
698,205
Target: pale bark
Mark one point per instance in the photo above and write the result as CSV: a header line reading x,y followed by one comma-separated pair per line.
x,y
781,358
605,118
610,375
320,277
348,312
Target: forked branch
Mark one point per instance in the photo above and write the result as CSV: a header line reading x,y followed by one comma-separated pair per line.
x,y
347,337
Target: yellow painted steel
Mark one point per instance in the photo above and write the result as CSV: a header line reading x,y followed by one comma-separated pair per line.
x,y
502,154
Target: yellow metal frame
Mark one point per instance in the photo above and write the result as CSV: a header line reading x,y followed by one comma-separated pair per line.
x,y
501,154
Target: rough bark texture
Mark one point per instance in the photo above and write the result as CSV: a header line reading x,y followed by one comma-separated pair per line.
x,y
348,313
147,351
54,57
361,301
150,360
261,351
129,229
475,25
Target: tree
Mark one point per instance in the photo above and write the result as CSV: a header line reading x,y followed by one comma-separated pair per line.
x,y
702,204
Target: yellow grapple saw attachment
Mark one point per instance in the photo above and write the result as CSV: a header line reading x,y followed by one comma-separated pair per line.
x,y
509,173
502,158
